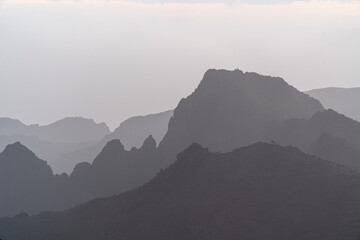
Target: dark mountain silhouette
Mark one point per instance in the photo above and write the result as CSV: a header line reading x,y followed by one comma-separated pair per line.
x,y
231,109
342,100
115,170
132,133
263,191
27,184
52,141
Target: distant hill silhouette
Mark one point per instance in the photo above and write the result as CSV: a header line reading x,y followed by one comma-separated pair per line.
x,y
51,141
263,191
27,184
232,108
342,100
132,133
67,130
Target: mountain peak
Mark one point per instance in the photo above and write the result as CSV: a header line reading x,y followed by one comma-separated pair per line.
x,y
115,143
230,109
193,150
226,77
18,149
112,150
149,143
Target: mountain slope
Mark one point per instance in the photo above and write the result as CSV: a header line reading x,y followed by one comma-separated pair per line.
x,y
342,100
263,191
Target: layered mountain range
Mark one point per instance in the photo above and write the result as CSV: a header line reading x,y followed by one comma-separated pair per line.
x,y
256,192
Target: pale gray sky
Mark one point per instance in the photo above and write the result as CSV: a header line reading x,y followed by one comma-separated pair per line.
x,y
109,60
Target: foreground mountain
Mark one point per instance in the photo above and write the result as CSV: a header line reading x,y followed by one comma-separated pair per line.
x,y
343,100
132,133
27,184
263,191
232,108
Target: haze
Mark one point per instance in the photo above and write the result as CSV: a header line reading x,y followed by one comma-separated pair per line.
x,y
109,60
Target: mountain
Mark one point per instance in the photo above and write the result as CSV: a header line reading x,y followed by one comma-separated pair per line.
x,y
134,130
114,170
67,130
232,108
327,134
263,191
132,133
343,100
44,149
52,141
27,184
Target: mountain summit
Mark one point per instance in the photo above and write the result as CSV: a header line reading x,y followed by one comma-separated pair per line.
x,y
232,108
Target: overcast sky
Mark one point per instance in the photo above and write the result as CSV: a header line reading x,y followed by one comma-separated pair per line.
x,y
109,60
